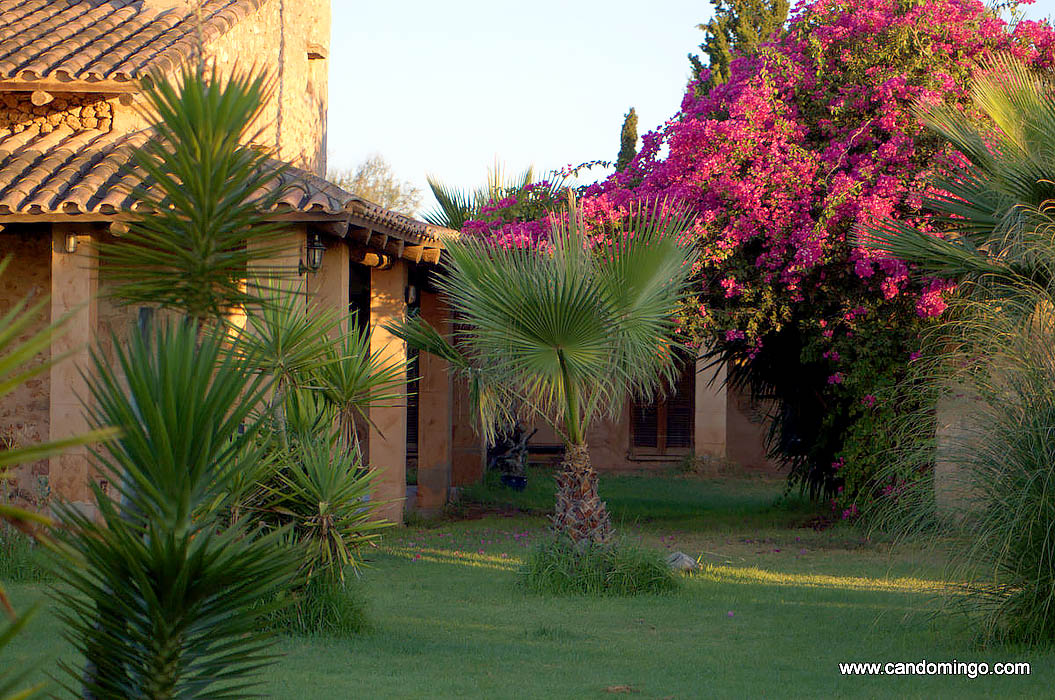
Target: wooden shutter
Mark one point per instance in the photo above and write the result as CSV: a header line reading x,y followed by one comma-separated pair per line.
x,y
666,425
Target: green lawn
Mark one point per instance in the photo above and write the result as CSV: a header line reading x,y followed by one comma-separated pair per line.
x,y
776,611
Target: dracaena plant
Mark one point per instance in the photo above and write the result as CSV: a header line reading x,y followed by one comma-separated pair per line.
x,y
161,594
569,331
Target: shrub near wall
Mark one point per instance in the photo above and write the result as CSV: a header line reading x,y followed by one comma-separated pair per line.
x,y
806,141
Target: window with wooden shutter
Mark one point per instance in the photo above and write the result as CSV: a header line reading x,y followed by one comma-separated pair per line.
x,y
665,426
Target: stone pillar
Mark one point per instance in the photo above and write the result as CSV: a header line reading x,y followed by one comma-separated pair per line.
x,y
328,288
954,432
74,283
469,452
435,410
709,436
388,432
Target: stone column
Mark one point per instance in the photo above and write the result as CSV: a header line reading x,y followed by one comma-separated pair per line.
x,y
328,288
955,428
74,283
388,432
469,450
709,436
435,409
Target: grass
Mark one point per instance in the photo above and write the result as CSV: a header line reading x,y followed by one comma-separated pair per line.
x,y
777,607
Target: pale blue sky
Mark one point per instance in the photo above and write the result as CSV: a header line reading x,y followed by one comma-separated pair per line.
x,y
445,87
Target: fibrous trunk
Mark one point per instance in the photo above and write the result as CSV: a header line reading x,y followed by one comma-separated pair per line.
x,y
580,513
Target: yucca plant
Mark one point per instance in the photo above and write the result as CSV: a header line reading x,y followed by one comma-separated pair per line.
x,y
17,367
322,493
161,597
286,342
206,192
570,333
353,379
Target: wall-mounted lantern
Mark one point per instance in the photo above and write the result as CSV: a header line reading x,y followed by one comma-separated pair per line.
x,y
315,249
70,243
410,294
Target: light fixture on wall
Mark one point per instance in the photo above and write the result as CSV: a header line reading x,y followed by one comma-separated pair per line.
x,y
410,294
315,249
71,243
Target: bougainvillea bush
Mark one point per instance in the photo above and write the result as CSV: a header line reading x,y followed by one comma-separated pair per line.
x,y
805,142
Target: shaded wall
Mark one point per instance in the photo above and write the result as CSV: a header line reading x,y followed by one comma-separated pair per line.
x,y
24,413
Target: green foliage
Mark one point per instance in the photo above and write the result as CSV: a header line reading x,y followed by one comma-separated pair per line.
x,y
160,595
568,332
207,192
559,566
995,215
21,558
321,496
287,343
455,206
738,28
997,366
352,379
322,608
627,140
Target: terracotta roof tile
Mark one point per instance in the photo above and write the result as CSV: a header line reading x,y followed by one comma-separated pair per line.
x,y
93,40
90,175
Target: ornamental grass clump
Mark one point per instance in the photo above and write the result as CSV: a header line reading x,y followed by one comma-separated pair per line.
x,y
559,566
994,480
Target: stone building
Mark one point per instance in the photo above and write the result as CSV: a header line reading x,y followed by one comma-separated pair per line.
x,y
69,88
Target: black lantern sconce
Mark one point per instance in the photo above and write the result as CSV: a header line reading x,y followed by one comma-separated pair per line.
x,y
315,249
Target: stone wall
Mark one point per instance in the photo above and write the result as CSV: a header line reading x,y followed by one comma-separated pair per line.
x,y
74,111
24,412
292,40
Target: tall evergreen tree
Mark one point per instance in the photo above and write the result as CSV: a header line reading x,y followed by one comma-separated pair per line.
x,y
738,28
627,140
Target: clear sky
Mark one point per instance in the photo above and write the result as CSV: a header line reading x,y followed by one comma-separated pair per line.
x,y
446,87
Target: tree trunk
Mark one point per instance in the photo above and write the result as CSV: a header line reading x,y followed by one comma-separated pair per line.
x,y
580,513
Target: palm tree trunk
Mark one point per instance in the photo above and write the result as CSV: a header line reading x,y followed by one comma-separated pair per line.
x,y
580,512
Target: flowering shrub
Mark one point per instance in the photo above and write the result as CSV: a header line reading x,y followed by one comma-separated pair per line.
x,y
806,141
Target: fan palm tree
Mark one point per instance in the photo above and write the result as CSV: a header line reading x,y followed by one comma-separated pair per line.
x,y
285,341
996,214
455,206
568,333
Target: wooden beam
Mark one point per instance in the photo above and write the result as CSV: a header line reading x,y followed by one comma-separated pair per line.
x,y
41,97
395,247
413,253
431,255
332,228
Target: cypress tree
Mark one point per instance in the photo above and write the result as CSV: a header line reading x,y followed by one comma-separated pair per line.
x,y
738,28
627,141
